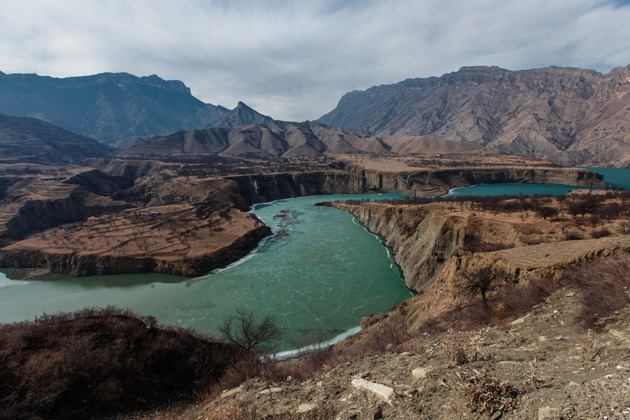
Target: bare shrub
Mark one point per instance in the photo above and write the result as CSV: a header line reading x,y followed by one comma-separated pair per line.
x,y
516,299
547,211
573,235
481,281
247,333
452,351
599,233
486,393
601,289
459,354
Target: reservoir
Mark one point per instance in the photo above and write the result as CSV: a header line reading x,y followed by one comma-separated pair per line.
x,y
318,276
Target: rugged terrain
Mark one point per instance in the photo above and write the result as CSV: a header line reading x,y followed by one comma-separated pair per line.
x,y
565,115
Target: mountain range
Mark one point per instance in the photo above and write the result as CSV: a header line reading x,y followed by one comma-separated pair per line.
x,y
567,115
107,106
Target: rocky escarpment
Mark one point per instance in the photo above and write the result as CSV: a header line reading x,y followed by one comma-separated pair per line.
x,y
434,247
422,243
268,187
439,181
36,215
215,197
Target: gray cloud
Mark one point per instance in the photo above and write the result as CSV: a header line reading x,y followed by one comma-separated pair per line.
x,y
294,59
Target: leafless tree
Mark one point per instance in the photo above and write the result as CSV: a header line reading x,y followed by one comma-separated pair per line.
x,y
247,333
480,281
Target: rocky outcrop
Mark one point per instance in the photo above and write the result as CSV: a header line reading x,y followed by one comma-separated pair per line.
x,y
77,264
422,243
269,187
432,250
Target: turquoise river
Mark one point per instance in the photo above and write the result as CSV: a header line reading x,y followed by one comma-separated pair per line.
x,y
317,277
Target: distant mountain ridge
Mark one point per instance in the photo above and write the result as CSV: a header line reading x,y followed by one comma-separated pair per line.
x,y
287,139
273,138
107,106
239,116
566,115
29,140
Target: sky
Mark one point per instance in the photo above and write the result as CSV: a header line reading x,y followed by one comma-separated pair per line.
x,y
293,60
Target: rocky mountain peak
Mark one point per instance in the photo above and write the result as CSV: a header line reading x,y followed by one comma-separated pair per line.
x,y
241,115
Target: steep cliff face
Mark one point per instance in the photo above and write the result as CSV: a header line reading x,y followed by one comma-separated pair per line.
x,y
440,181
41,214
268,187
433,249
423,243
263,188
87,265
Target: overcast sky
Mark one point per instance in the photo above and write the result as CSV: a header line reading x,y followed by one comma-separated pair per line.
x,y
293,60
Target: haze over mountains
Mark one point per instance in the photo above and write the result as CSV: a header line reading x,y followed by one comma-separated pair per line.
x,y
567,115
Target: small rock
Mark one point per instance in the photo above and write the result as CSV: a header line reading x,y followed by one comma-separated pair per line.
x,y
542,339
519,321
570,294
383,392
420,372
497,415
547,413
305,408
572,383
269,390
230,392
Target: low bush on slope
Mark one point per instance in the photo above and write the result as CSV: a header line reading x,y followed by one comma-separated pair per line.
x,y
102,361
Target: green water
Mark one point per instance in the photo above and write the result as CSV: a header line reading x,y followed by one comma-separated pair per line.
x,y
618,177
511,189
318,279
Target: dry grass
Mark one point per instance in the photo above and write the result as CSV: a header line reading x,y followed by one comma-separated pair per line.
x,y
486,393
